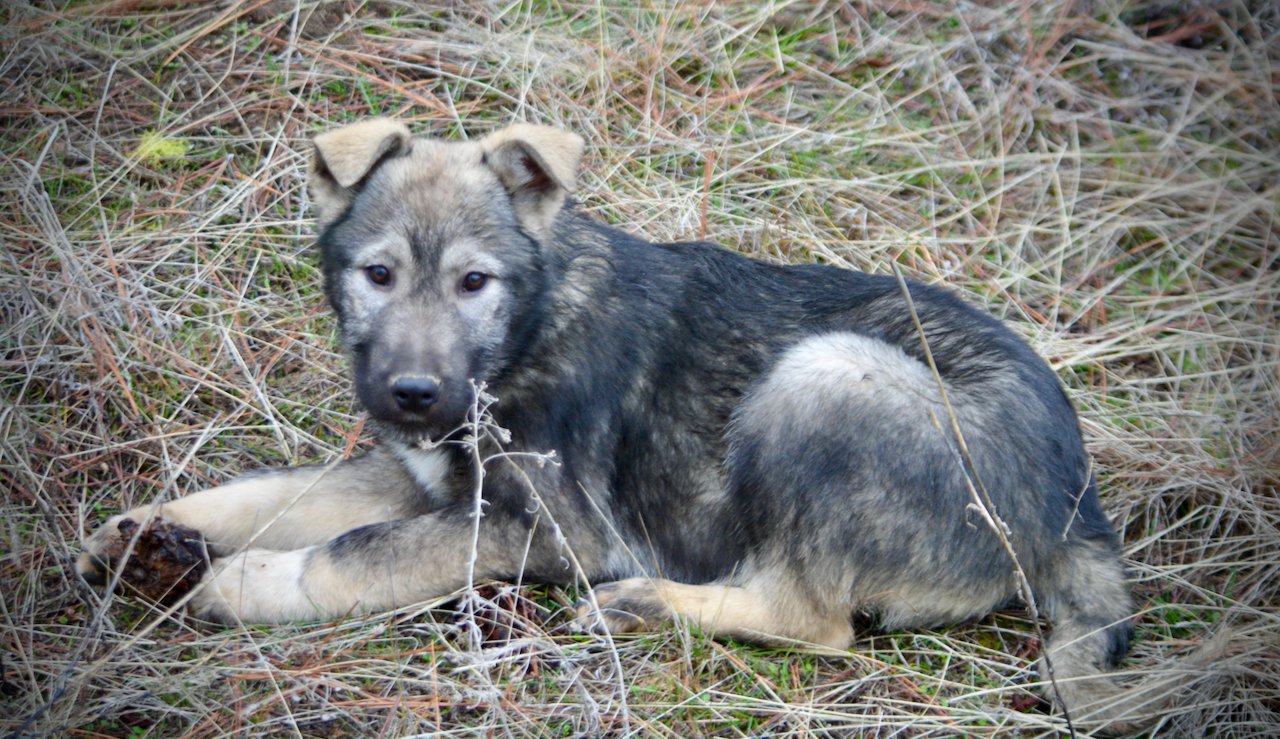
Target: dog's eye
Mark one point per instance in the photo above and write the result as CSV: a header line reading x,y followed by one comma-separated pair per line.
x,y
378,274
474,281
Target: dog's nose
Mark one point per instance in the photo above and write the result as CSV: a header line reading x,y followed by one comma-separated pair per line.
x,y
415,394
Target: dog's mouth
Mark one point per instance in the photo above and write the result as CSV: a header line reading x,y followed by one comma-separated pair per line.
x,y
423,431
419,434
414,407
413,402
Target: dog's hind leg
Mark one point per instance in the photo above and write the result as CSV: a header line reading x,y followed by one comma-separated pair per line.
x,y
755,611
849,497
853,491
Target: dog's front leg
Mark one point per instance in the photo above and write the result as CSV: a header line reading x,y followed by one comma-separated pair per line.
x,y
278,509
376,567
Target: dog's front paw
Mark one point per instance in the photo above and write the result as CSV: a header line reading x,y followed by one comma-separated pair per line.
x,y
106,548
625,606
255,586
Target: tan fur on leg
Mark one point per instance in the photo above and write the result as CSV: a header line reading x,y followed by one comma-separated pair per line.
x,y
720,610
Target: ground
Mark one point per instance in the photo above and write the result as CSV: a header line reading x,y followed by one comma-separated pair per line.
x,y
1102,175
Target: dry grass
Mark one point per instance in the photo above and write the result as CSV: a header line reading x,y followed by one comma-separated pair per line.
x,y
1104,177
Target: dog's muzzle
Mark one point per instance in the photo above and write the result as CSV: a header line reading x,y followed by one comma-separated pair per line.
x,y
415,393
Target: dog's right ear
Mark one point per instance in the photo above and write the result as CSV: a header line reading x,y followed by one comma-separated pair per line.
x,y
345,156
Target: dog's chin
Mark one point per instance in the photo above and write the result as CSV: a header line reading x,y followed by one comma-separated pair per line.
x,y
416,433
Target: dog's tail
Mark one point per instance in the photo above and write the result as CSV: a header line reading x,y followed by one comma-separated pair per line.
x,y
1090,610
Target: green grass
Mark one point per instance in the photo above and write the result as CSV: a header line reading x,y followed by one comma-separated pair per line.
x,y
1106,182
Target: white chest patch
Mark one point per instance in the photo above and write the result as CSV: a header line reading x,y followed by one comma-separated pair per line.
x,y
428,467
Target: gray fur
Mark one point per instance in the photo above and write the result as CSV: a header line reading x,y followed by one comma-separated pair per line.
x,y
762,449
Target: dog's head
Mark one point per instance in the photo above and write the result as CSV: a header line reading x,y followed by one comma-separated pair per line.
x,y
433,259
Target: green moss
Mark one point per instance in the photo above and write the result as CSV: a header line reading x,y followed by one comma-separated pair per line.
x,y
157,149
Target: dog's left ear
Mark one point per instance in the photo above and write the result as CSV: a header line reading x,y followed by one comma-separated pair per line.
x,y
344,157
538,166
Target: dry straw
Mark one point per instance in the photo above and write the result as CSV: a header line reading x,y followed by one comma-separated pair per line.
x,y
1104,176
